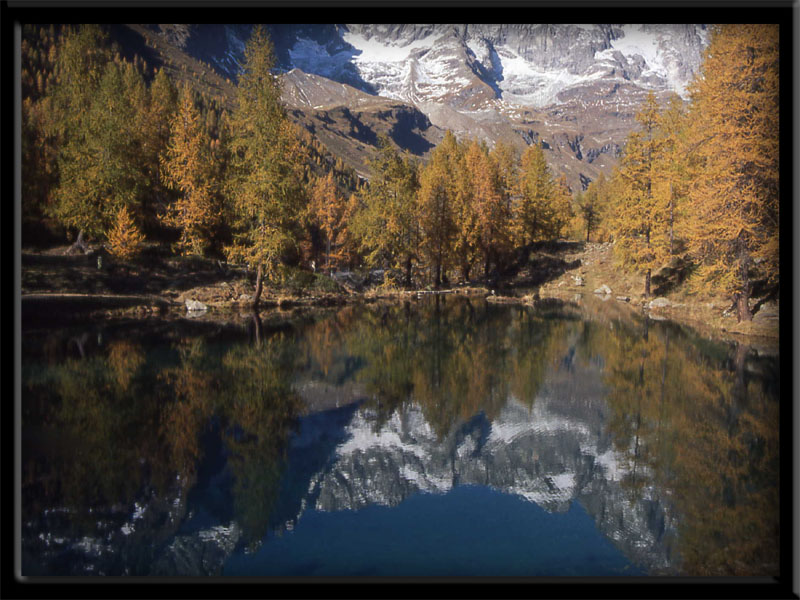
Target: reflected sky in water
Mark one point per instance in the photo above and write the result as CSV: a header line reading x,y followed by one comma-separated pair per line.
x,y
436,437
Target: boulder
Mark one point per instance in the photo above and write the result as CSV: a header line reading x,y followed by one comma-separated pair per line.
x,y
603,289
578,281
767,312
195,305
659,303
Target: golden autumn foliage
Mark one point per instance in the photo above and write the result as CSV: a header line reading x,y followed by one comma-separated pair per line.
x,y
187,167
327,208
591,210
489,204
734,133
670,188
538,214
435,204
697,180
125,239
466,243
638,225
264,179
383,216
703,177
562,206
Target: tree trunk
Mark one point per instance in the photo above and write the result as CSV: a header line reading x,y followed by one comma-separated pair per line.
x,y
438,277
330,271
78,245
743,297
671,222
259,285
408,271
743,307
647,275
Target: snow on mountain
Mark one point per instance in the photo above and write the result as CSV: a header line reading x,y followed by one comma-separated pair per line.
x,y
312,57
526,65
574,87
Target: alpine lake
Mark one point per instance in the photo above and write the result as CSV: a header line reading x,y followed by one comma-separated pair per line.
x,y
443,436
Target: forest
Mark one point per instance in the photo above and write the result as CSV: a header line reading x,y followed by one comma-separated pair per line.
x,y
117,153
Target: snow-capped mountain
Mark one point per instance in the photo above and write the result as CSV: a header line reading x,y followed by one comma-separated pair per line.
x,y
523,65
574,87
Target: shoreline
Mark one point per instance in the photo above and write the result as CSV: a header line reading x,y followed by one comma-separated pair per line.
x,y
51,287
99,306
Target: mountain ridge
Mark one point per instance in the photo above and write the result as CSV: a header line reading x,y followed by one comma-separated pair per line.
x,y
574,87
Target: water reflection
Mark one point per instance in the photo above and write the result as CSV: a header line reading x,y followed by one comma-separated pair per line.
x,y
165,451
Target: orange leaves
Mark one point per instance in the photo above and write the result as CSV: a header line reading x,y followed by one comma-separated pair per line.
x,y
489,201
327,208
735,175
539,214
263,183
436,196
644,182
125,239
187,167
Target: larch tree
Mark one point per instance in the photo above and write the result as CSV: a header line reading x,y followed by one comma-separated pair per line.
x,y
80,58
670,188
186,166
39,154
561,207
735,132
506,159
97,173
349,236
39,143
327,208
638,225
162,105
533,212
137,99
489,203
263,183
466,240
387,223
589,206
435,201
124,237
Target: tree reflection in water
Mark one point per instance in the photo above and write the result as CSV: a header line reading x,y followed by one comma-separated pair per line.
x,y
116,432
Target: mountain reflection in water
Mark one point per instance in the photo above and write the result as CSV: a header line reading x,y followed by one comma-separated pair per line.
x,y
184,449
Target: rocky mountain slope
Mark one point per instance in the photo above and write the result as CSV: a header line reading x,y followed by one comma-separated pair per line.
x,y
574,87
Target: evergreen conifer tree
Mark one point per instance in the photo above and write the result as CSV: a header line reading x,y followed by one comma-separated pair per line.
x,y
263,183
734,126
187,168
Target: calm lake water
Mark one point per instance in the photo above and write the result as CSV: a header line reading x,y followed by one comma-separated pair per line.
x,y
441,437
